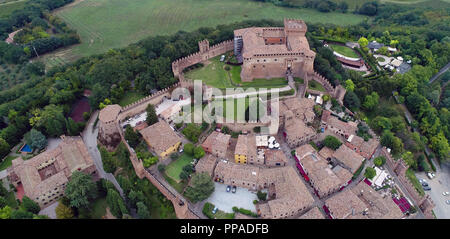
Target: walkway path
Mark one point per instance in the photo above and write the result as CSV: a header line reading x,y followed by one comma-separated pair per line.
x,y
441,71
90,139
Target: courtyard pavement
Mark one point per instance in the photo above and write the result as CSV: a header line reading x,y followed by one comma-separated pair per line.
x,y
49,211
439,184
225,201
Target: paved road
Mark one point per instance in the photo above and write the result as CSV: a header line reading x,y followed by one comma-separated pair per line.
x,y
90,139
439,185
50,210
441,71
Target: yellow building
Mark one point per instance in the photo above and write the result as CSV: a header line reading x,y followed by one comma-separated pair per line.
x,y
161,138
245,151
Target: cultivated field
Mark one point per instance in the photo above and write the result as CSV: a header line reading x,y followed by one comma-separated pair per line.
x,y
106,24
6,8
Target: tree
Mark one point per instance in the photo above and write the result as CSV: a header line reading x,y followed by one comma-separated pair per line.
x,y
5,212
21,214
142,211
422,163
349,85
363,42
189,149
2,202
332,142
30,205
63,211
201,187
371,101
351,100
150,161
161,167
199,152
379,161
192,132
116,203
37,139
109,164
370,173
132,137
4,148
51,119
261,196
151,115
80,189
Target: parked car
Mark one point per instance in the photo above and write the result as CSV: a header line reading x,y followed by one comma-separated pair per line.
x,y
427,188
228,188
448,202
214,211
422,180
425,184
445,193
430,175
234,189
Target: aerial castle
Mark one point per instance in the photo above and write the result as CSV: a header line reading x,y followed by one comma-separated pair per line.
x,y
272,52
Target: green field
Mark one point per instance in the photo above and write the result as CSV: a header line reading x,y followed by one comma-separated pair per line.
x,y
174,169
6,163
106,24
314,85
343,50
214,74
7,8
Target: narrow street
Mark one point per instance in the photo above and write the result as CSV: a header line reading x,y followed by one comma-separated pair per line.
x,y
90,139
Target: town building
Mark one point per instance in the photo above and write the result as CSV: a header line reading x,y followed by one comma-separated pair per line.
x,y
339,127
161,138
287,194
349,159
245,151
359,145
217,144
314,213
275,157
108,131
270,52
206,164
324,178
45,176
296,132
362,202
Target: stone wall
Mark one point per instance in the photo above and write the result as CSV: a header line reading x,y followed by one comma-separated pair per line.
x,y
337,92
206,52
399,167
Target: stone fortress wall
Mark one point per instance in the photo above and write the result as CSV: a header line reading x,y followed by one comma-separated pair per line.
x,y
399,167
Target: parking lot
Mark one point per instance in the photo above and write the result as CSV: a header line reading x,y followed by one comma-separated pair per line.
x,y
225,201
439,184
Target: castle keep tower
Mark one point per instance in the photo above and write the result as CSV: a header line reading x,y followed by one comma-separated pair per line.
x,y
274,51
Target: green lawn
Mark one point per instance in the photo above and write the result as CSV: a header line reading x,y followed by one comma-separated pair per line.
x,y
174,169
130,97
314,85
214,74
7,162
106,24
179,186
346,51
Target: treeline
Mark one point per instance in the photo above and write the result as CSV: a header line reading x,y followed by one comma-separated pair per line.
x,y
34,13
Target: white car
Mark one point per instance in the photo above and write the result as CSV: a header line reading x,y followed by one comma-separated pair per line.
x,y
430,175
448,202
445,193
422,181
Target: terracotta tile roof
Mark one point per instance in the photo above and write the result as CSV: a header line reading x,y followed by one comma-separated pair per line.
x,y
160,136
273,156
51,168
366,147
109,113
348,128
304,150
346,205
206,164
314,213
216,141
326,152
246,145
348,157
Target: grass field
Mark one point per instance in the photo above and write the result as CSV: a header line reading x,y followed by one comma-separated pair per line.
x,y
215,75
174,169
106,24
314,85
346,51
